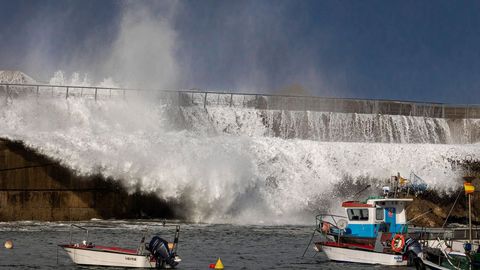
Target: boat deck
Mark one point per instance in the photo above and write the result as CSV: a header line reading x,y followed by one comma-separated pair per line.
x,y
102,248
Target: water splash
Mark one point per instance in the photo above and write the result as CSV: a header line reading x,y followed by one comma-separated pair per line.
x,y
328,126
245,176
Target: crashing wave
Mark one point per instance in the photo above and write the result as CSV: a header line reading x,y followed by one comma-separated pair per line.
x,y
15,77
222,176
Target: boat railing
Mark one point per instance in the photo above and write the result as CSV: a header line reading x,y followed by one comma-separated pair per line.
x,y
330,218
450,260
448,236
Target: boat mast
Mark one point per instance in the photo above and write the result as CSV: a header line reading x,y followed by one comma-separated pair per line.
x,y
469,191
470,217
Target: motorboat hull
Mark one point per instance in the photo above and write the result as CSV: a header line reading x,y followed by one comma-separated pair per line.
x,y
432,266
345,254
434,258
108,256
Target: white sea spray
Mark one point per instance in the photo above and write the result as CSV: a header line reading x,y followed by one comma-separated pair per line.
x,y
241,177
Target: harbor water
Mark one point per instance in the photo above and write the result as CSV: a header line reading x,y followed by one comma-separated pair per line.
x,y
238,246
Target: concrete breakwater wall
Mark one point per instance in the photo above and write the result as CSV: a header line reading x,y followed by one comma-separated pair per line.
x,y
33,187
288,117
325,104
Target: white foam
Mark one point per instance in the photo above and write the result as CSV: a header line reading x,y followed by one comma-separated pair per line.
x,y
247,177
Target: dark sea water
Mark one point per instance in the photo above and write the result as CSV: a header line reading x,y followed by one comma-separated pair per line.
x,y
239,247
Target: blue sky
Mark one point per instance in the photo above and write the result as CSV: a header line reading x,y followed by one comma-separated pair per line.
x,y
408,50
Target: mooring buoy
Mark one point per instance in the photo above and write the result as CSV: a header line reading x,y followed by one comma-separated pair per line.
x,y
8,244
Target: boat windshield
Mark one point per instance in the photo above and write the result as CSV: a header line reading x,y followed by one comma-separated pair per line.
x,y
357,214
379,214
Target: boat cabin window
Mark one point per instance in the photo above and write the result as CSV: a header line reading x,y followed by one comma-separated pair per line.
x,y
379,214
357,214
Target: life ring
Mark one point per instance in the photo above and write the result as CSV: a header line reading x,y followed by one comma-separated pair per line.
x,y
398,242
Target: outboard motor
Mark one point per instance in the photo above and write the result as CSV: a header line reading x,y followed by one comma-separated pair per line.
x,y
158,247
413,250
413,246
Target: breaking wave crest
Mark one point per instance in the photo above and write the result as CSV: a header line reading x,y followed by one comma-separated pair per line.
x,y
224,163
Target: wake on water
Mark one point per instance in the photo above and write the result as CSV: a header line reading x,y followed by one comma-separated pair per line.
x,y
223,162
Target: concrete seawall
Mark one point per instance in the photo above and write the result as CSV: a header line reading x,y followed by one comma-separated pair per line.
x,y
324,104
33,187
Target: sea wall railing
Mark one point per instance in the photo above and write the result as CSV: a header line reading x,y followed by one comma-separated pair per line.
x,y
249,100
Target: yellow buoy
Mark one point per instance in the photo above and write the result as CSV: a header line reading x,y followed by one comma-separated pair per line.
x,y
9,244
219,264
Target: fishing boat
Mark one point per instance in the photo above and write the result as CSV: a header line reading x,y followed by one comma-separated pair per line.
x,y
145,256
376,231
373,231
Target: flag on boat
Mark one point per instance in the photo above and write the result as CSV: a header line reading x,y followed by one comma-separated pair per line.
x,y
402,181
469,188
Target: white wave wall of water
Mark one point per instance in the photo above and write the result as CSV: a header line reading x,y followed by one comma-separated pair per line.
x,y
239,178
329,126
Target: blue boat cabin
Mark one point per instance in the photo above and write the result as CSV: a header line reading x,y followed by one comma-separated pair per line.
x,y
376,215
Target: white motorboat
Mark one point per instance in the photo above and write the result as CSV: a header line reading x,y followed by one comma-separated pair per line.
x,y
86,253
108,256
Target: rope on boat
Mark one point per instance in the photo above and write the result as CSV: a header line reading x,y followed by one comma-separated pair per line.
x,y
449,213
451,209
419,216
310,242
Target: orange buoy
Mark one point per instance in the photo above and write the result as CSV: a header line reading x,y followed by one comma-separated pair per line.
x,y
8,244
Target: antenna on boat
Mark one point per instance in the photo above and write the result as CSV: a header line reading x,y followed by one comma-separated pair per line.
x,y
362,190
